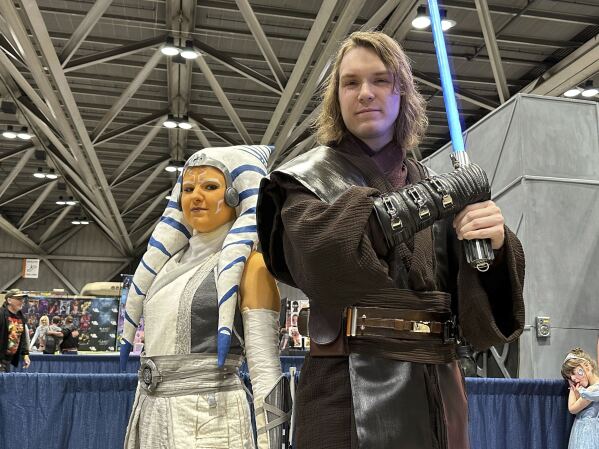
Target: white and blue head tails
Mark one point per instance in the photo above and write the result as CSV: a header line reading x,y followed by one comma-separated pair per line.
x,y
243,167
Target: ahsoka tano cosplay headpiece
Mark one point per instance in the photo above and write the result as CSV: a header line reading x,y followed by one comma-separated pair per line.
x,y
243,167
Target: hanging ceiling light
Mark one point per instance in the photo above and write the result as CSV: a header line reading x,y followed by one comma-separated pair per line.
x,y
23,134
39,173
574,92
169,48
446,23
189,51
172,166
70,201
76,222
52,174
422,20
589,89
9,133
170,122
185,123
61,201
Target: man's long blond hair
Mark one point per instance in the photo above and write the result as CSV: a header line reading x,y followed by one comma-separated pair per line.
x,y
411,121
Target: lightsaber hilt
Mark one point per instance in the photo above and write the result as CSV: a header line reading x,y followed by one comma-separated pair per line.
x,y
479,253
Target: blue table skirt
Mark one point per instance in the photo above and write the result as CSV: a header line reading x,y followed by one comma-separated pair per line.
x,y
90,411
106,363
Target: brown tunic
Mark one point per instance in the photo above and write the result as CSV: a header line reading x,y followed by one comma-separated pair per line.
x,y
334,253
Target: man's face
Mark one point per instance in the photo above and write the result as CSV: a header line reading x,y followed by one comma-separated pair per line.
x,y
368,99
15,303
203,199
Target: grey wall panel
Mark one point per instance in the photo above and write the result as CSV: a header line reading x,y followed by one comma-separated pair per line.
x,y
90,241
549,173
80,273
47,280
9,268
9,244
549,354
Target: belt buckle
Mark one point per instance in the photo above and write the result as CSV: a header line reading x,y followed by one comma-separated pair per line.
x,y
422,327
149,376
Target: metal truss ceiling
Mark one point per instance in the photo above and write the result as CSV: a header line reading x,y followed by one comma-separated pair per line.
x,y
89,79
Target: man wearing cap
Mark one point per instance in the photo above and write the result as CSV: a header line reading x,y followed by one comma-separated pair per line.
x,y
13,341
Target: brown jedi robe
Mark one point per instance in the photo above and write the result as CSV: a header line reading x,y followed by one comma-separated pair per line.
x,y
332,251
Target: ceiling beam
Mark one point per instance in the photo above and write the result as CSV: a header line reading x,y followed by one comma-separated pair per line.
x,y
15,171
133,155
575,68
223,100
85,26
132,126
460,93
263,44
486,24
56,72
307,53
339,32
145,168
238,67
37,203
514,11
159,199
196,117
126,95
143,187
24,192
113,53
50,229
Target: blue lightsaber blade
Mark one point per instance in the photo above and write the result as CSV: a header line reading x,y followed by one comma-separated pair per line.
x,y
479,253
451,107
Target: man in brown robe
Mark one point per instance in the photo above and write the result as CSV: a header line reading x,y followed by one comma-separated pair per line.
x,y
389,385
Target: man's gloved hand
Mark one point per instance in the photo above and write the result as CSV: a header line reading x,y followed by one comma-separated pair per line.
x,y
415,207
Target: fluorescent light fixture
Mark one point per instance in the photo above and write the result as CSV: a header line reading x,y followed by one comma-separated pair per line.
x,y
84,222
589,89
170,122
39,173
75,222
446,23
24,135
169,48
52,174
184,123
422,20
189,52
9,133
574,92
180,169
61,201
70,201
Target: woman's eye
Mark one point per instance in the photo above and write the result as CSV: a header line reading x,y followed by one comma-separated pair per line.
x,y
211,187
188,189
382,81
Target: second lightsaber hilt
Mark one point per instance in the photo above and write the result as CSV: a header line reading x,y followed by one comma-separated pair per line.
x,y
479,253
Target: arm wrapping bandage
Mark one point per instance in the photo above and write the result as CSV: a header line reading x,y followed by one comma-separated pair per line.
x,y
272,403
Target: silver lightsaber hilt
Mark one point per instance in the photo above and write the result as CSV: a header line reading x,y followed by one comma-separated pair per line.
x,y
479,253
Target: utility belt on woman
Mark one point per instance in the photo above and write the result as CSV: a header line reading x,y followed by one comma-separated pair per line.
x,y
414,327
180,375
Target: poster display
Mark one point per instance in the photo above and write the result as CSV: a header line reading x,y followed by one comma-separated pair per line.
x,y
95,317
291,338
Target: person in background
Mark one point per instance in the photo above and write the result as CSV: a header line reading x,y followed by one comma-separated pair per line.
x,y
38,342
53,336
580,371
13,341
70,334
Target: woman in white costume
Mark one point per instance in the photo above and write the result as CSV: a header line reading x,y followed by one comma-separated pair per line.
x,y
208,303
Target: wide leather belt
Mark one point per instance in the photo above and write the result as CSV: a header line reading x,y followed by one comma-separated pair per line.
x,y
397,323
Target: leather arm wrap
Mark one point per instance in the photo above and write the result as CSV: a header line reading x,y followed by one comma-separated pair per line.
x,y
415,207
